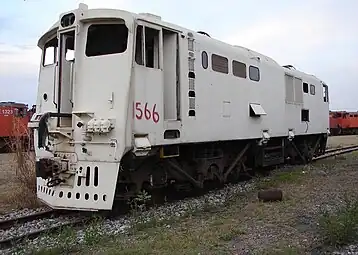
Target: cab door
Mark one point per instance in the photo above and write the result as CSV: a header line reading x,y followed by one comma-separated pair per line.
x,y
148,111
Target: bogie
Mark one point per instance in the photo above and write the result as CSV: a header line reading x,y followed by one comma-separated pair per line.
x,y
210,164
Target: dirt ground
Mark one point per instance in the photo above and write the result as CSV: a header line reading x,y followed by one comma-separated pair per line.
x,y
7,170
339,141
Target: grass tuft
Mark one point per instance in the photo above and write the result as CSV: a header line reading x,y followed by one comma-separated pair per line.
x,y
277,179
340,227
92,233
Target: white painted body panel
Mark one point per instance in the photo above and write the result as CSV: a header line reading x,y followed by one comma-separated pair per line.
x,y
83,197
47,76
217,91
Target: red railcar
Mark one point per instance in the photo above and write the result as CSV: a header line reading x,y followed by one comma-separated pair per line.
x,y
13,123
343,123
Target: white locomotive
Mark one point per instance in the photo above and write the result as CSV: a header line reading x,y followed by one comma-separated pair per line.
x,y
129,102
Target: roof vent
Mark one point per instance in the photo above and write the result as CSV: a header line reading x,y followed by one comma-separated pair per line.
x,y
150,15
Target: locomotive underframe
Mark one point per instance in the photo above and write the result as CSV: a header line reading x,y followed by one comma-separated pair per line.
x,y
201,165
182,168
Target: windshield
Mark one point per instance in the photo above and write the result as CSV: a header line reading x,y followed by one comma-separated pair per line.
x,y
50,52
105,39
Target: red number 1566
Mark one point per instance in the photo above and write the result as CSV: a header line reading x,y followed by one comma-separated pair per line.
x,y
144,112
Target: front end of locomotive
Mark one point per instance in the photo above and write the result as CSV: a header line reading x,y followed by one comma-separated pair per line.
x,y
82,125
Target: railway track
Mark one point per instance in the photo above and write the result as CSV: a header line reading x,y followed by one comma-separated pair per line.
x,y
336,151
79,220
69,219
8,223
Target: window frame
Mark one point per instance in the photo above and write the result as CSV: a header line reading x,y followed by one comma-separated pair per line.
x,y
213,56
259,73
145,25
119,22
202,59
240,63
325,93
304,110
303,87
54,55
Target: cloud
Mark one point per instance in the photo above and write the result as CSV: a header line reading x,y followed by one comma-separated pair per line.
x,y
288,36
19,88
317,37
22,57
317,40
19,59
4,24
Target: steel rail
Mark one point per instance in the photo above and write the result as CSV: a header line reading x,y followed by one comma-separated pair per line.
x,y
336,152
12,241
8,223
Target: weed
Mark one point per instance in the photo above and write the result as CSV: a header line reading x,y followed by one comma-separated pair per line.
x,y
92,234
290,177
294,176
143,224
341,227
138,204
231,232
66,238
25,178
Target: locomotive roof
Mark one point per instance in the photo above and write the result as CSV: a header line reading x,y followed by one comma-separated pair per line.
x,y
103,13
117,13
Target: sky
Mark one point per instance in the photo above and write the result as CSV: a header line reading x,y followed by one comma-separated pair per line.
x,y
316,36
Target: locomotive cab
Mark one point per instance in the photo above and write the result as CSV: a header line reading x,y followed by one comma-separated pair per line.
x,y
82,107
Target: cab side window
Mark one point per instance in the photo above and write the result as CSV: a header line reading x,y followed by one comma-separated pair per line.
x,y
147,47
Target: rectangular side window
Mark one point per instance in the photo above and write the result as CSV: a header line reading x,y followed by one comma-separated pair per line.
x,y
238,69
325,93
305,87
50,52
105,39
305,115
219,64
70,46
147,47
139,46
312,89
254,73
151,47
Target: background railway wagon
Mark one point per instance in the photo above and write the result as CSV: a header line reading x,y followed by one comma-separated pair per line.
x,y
13,122
343,123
